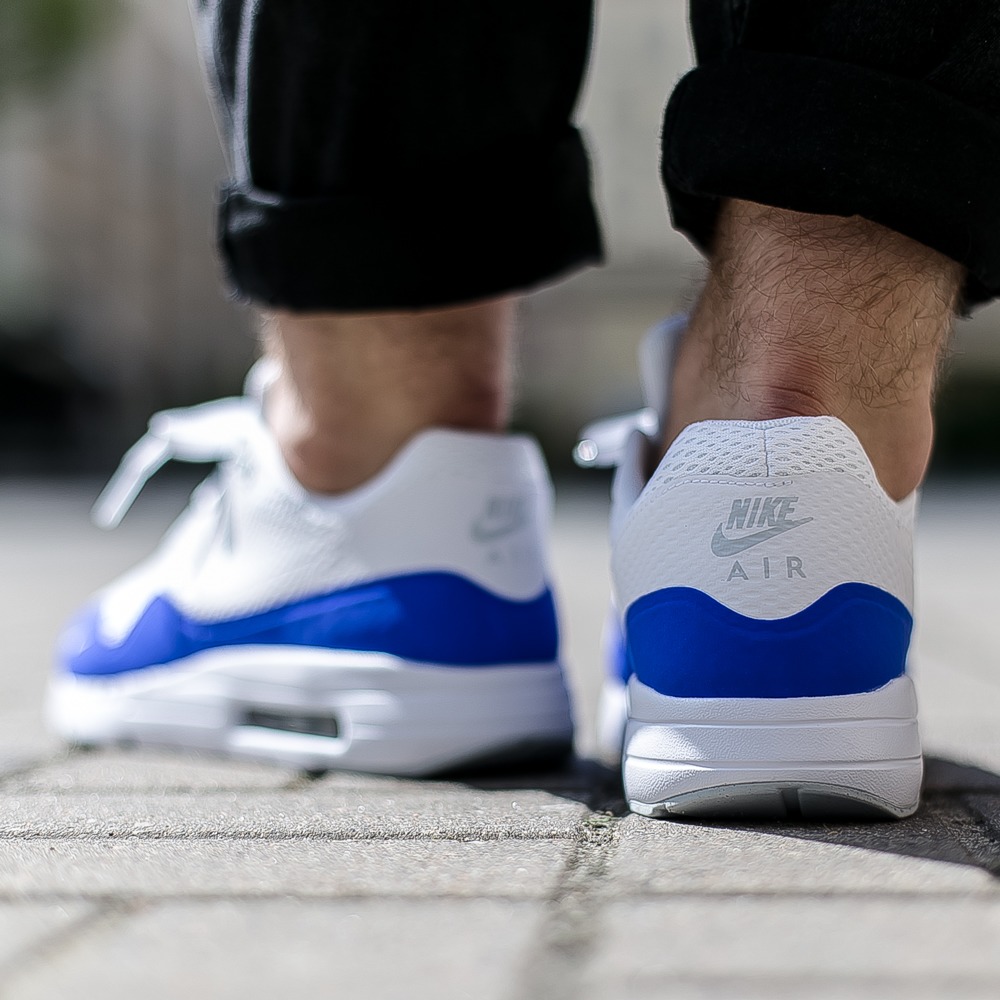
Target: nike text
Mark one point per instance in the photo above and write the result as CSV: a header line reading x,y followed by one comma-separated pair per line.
x,y
768,514
760,512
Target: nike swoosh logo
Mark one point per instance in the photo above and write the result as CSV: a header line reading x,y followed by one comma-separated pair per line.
x,y
723,546
490,532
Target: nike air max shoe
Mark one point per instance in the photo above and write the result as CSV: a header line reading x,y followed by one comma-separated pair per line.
x,y
406,627
763,581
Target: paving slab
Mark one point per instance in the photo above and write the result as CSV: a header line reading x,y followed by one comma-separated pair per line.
x,y
919,855
116,771
786,947
842,986
957,715
581,560
498,884
26,925
248,950
142,868
577,780
23,741
957,642
457,814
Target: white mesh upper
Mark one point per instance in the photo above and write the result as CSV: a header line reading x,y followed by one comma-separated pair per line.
x,y
852,531
451,501
792,446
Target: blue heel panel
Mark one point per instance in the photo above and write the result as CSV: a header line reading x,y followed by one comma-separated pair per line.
x,y
435,618
685,644
616,665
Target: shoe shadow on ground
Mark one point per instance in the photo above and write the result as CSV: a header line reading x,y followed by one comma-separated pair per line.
x,y
578,779
957,823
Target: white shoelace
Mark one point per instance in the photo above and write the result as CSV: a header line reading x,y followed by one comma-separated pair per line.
x,y
210,432
217,431
602,443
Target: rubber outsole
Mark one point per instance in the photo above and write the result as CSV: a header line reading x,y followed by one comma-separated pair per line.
x,y
846,756
319,710
773,801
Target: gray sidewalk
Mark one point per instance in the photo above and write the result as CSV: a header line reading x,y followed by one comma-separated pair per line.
x,y
167,876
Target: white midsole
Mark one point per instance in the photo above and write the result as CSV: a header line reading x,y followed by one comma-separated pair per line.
x,y
392,715
866,743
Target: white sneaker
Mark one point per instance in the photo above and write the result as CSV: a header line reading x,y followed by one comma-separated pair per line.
x,y
406,627
765,584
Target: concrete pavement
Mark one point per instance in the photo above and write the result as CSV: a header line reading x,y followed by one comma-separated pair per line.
x,y
174,876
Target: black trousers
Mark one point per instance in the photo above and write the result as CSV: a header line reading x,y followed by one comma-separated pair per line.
x,y
390,154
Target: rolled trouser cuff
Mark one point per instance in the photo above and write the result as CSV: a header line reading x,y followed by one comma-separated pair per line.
x,y
831,138
463,232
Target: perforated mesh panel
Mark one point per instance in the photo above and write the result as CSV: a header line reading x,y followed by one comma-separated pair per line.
x,y
850,532
794,446
797,447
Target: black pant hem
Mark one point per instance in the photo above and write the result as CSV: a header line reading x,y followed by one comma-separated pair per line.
x,y
464,232
830,138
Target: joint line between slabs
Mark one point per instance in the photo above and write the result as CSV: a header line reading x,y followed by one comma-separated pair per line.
x,y
553,967
279,837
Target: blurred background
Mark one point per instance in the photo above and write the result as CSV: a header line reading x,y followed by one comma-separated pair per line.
x,y
110,300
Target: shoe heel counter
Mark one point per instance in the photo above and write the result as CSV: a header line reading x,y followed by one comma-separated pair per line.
x,y
477,505
766,548
495,507
802,567
485,508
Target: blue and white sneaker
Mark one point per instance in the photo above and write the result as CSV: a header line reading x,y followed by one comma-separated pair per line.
x,y
406,627
765,586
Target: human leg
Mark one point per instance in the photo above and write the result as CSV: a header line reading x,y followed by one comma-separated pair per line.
x,y
353,389
766,642
404,172
807,315
386,157
386,607
867,134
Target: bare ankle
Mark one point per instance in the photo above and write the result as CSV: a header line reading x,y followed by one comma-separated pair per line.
x,y
815,315
354,389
